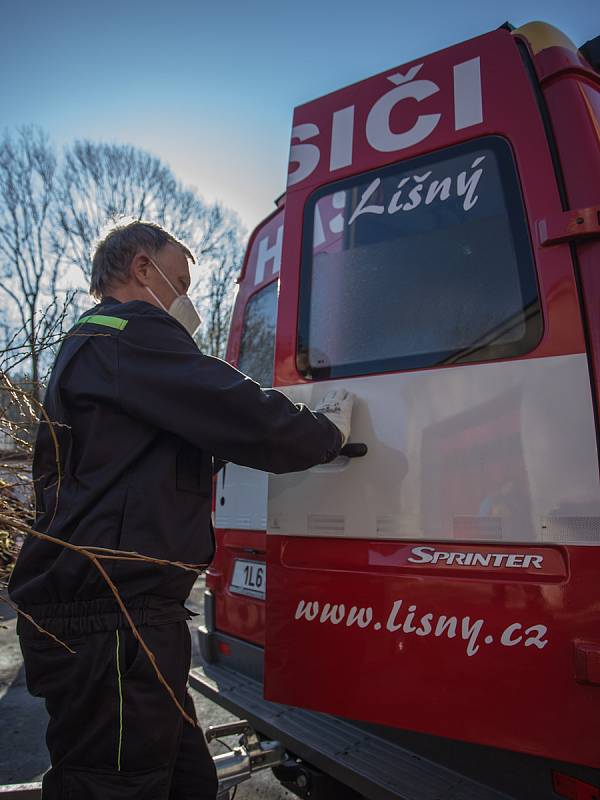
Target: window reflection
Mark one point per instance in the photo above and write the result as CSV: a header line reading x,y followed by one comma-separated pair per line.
x,y
421,263
257,348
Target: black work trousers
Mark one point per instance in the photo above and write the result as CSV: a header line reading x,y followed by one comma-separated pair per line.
x,y
114,732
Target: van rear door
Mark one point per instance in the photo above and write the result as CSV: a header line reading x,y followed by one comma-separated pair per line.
x,y
446,581
237,576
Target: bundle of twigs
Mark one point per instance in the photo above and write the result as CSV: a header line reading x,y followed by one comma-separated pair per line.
x,y
17,419
12,506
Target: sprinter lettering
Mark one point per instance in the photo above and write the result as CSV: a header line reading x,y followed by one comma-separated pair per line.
x,y
460,558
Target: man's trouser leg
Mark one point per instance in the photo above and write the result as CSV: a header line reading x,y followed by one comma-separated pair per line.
x,y
114,732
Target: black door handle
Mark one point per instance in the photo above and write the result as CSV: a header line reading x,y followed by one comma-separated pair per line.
x,y
354,450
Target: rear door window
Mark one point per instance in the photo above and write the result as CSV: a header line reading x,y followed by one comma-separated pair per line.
x,y
422,263
257,347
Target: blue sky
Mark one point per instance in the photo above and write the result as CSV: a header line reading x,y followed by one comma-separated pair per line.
x,y
210,87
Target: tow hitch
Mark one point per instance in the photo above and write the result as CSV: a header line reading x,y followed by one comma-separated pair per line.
x,y
250,756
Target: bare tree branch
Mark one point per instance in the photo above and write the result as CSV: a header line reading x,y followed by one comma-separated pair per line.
x,y
31,255
101,181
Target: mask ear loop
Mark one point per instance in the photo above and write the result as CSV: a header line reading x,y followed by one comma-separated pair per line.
x,y
155,265
157,299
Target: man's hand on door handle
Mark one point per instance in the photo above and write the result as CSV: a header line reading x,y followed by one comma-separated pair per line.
x,y
337,407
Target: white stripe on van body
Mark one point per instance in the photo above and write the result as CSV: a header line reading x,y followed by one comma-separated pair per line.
x,y
498,451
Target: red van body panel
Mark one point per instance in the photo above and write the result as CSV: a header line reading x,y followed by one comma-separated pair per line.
x,y
237,615
572,94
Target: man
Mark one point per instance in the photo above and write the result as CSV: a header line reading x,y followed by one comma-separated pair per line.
x,y
139,414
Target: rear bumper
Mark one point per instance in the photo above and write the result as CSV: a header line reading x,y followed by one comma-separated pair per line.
x,y
378,769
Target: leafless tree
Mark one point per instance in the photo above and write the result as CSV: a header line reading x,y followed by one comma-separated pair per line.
x,y
101,182
32,252
215,294
50,216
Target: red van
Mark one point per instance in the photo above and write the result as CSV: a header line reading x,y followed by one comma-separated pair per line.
x,y
424,612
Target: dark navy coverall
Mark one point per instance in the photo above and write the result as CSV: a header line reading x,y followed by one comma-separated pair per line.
x,y
140,414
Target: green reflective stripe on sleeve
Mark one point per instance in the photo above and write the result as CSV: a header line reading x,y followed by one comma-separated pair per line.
x,y
100,319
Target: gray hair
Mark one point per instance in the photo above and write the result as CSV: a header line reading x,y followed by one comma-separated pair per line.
x,y
118,244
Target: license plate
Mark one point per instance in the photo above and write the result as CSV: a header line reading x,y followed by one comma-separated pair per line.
x,y
249,577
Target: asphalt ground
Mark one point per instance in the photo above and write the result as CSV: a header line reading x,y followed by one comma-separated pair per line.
x,y
23,754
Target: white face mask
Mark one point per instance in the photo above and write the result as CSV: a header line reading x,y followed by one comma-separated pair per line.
x,y
182,309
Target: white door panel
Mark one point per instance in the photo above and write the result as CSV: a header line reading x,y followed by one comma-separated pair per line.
x,y
505,450
241,501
